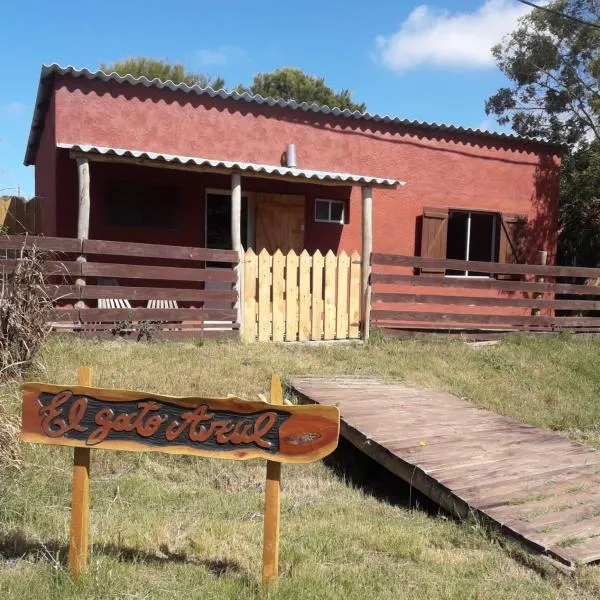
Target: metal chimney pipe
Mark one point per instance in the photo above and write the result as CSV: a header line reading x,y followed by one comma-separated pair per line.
x,y
290,155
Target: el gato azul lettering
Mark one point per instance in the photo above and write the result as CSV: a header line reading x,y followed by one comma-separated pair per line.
x,y
67,413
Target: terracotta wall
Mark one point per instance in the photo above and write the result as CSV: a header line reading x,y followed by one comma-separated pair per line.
x,y
45,174
456,171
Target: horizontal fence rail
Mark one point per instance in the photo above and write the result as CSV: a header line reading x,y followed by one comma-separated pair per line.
x,y
482,267
109,289
483,284
301,298
531,300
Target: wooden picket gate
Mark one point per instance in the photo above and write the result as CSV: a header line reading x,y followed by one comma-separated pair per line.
x,y
301,298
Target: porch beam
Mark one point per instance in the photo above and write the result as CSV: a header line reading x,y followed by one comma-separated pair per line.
x,y
236,241
83,214
157,164
367,249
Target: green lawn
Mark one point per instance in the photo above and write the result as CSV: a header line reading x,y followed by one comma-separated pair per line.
x,y
172,526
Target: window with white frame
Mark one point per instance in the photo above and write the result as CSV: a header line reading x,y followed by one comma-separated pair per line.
x,y
472,235
330,211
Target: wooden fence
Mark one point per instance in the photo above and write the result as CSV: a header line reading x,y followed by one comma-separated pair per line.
x,y
18,216
301,298
503,297
117,289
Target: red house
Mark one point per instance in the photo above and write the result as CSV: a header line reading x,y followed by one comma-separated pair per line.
x,y
163,160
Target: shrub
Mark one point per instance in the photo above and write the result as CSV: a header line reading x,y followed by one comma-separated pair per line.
x,y
24,312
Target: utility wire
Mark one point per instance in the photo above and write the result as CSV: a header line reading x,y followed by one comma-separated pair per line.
x,y
560,14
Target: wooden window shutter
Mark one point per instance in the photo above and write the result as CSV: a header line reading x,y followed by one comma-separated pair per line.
x,y
434,236
511,247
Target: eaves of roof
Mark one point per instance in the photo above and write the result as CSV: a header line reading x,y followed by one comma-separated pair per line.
x,y
228,165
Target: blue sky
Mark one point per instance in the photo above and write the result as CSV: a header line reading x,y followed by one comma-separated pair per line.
x,y
420,60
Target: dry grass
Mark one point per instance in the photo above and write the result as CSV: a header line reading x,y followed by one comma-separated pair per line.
x,y
23,328
165,526
9,438
23,312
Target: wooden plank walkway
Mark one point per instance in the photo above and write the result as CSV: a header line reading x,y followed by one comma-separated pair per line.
x,y
535,484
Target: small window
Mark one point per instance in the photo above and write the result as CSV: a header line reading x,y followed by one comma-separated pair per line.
x,y
472,236
330,211
140,204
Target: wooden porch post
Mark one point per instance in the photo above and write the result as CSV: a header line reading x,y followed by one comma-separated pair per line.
x,y
83,215
367,249
236,241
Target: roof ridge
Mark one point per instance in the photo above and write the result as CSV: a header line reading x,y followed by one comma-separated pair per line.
x,y
223,92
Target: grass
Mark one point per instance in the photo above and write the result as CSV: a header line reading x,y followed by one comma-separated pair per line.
x,y
165,526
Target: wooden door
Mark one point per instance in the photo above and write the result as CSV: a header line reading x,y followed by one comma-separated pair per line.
x,y
279,222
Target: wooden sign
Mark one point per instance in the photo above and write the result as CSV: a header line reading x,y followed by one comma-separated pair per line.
x,y
229,428
87,417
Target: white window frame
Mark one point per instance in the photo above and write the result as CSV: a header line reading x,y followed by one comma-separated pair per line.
x,y
330,203
468,239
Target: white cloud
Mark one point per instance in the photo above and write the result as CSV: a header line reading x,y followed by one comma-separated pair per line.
x,y
435,37
222,55
489,124
14,108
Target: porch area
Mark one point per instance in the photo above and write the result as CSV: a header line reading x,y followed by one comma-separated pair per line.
x,y
157,244
146,197
151,207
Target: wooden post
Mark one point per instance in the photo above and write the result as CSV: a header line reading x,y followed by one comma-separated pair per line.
x,y
83,215
541,258
80,499
236,242
270,570
367,249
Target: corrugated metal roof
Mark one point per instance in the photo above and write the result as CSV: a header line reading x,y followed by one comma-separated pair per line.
x,y
48,70
228,165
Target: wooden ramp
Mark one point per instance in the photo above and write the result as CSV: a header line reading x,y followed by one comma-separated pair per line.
x,y
535,484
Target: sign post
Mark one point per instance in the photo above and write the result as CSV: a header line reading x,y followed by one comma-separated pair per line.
x,y
272,504
80,499
231,428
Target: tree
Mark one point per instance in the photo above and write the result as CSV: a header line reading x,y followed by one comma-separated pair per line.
x,y
290,83
580,205
553,64
163,70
